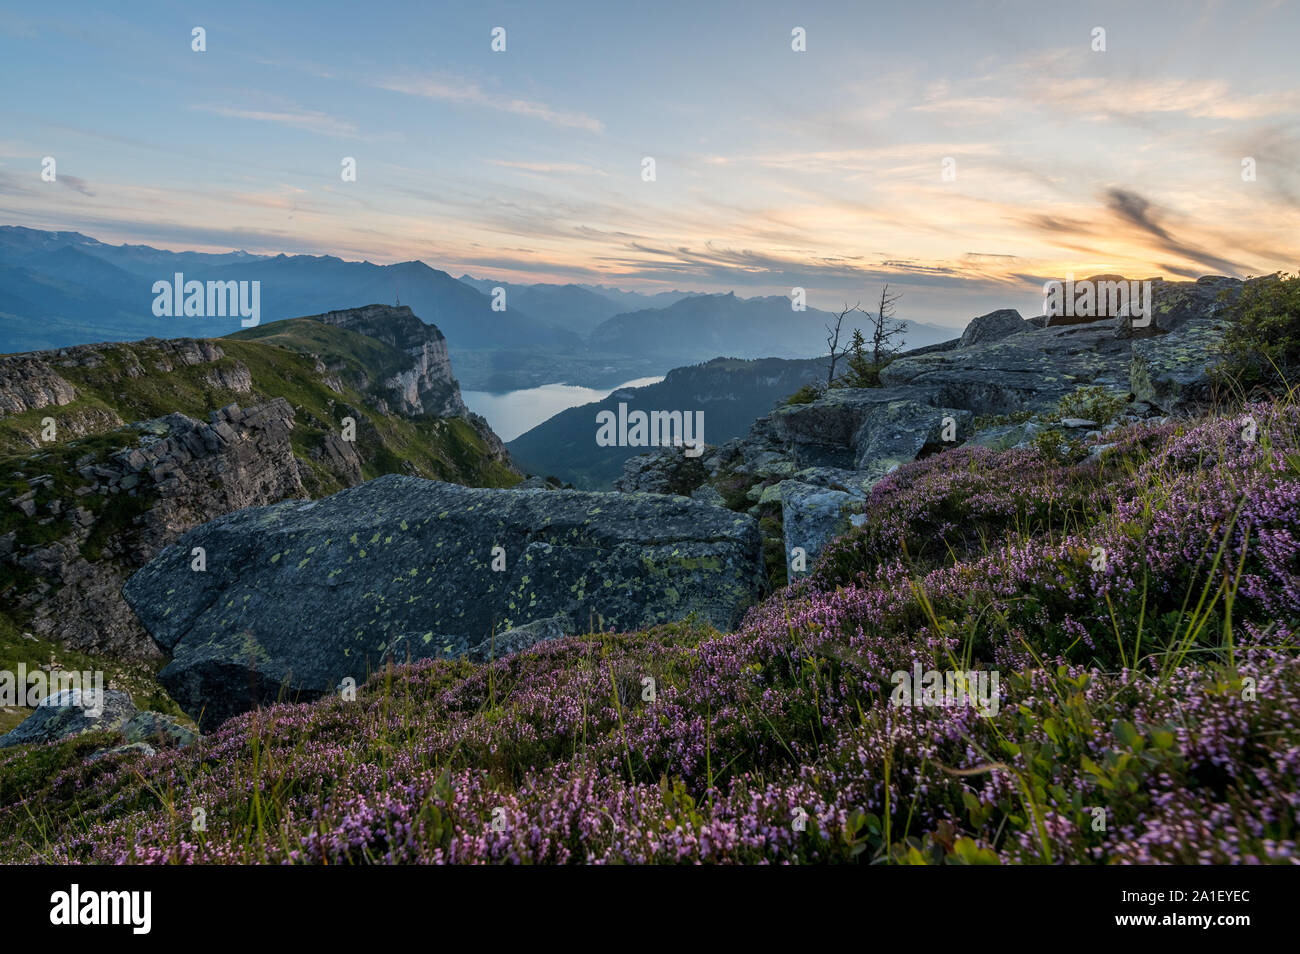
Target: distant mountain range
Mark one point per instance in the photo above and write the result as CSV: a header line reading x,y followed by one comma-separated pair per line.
x,y
731,393
704,326
63,288
576,308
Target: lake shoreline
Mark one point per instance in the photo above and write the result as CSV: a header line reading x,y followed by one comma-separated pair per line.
x,y
513,413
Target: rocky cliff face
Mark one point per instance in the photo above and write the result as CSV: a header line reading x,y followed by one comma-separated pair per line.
x,y
302,595
427,386
30,383
95,519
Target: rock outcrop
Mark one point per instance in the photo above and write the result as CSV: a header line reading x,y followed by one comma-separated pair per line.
x,y
811,465
992,327
172,474
296,597
427,386
29,383
1031,370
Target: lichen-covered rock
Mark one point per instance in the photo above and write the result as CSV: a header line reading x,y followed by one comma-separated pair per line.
x,y
1029,371
812,517
301,595
900,431
131,748
72,712
1176,303
1173,371
148,726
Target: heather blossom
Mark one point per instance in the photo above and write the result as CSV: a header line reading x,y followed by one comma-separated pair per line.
x,y
1149,709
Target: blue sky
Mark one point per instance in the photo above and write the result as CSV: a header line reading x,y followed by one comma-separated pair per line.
x,y
773,168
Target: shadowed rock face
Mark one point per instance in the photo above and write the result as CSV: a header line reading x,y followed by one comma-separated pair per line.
x,y
301,595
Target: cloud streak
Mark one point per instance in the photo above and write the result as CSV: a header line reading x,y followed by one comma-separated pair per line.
x,y
468,93
1135,210
306,119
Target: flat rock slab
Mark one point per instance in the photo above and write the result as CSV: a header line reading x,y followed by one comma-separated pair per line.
x,y
298,596
1032,370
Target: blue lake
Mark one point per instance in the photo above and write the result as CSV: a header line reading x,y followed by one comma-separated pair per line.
x,y
511,413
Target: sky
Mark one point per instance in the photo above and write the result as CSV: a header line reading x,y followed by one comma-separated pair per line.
x,y
963,152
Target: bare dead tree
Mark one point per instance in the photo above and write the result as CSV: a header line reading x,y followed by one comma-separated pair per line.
x,y
833,339
885,328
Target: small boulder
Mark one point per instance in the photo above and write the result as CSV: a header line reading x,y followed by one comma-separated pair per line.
x,y
521,638
72,712
993,326
143,748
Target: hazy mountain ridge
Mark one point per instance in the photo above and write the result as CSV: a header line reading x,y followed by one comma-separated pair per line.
x,y
701,326
731,391
59,289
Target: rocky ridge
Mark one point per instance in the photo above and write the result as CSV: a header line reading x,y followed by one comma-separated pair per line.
x,y
805,470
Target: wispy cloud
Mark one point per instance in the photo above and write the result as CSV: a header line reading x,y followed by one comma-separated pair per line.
x,y
547,167
471,94
1137,211
309,119
76,184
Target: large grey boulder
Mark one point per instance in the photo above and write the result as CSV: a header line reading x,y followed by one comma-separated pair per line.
x,y
993,327
1173,371
72,712
298,596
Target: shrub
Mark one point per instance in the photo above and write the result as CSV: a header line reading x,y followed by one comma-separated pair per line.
x,y
805,395
1092,404
1261,348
